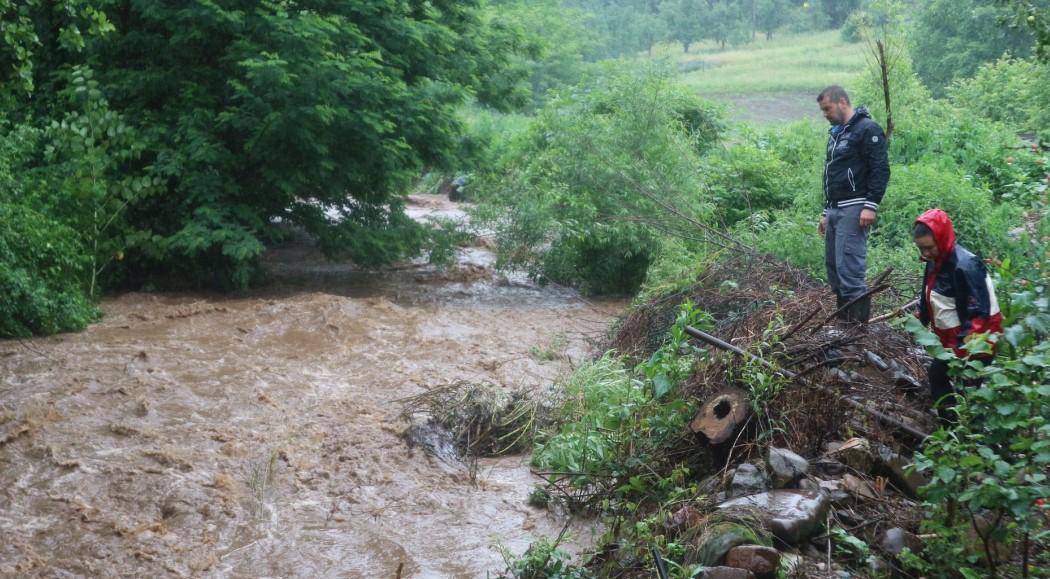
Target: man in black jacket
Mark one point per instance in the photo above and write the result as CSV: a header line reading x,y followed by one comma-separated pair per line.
x,y
856,172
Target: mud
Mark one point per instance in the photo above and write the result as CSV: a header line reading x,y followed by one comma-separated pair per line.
x,y
260,435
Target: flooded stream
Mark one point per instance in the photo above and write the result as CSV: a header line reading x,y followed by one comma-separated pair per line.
x,y
260,435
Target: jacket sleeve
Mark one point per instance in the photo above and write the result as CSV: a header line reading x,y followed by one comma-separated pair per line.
x,y
878,160
972,300
922,311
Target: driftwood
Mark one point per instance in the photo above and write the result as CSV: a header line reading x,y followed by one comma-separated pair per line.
x,y
881,416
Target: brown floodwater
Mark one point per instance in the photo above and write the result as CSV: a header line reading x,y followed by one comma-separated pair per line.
x,y
261,435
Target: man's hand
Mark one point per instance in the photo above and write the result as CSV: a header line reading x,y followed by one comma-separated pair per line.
x,y
823,225
867,217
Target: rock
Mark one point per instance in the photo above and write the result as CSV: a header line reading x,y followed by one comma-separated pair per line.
x,y
859,488
829,467
762,561
808,484
894,541
856,454
876,360
785,466
906,382
892,465
792,515
832,446
718,539
836,491
747,480
726,573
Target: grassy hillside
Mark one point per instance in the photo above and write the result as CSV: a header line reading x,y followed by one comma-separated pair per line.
x,y
769,80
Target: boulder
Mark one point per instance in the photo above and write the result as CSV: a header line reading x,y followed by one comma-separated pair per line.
x,y
762,561
785,466
747,480
856,454
726,573
718,539
791,515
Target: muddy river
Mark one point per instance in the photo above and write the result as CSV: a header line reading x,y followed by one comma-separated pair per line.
x,y
261,435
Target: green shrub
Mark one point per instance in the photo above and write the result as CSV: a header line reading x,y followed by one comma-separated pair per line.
x,y
744,179
602,171
980,225
988,473
1010,90
40,265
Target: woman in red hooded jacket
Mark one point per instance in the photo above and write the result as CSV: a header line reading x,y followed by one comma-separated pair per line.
x,y
958,297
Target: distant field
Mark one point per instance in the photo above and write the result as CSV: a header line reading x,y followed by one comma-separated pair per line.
x,y
784,73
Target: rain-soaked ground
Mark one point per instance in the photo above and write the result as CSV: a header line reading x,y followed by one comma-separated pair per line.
x,y
260,435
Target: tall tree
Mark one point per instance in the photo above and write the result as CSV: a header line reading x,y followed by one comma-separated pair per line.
x,y
250,113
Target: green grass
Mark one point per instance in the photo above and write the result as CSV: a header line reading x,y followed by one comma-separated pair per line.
x,y
790,63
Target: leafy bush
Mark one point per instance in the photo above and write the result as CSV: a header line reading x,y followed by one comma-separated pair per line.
x,y
1010,90
744,179
602,165
988,474
980,225
40,263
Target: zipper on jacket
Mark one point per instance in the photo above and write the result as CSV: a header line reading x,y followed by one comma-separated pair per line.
x,y
849,175
834,149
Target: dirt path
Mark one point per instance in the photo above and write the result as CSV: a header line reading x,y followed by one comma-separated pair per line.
x,y
252,436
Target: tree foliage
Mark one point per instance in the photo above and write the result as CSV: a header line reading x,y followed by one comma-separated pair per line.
x,y
206,123
584,198
952,38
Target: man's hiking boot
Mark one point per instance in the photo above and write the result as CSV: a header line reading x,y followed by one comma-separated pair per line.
x,y
859,312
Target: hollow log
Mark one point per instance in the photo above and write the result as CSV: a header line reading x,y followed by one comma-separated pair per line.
x,y
721,417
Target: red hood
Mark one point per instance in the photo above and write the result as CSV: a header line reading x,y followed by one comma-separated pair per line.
x,y
943,231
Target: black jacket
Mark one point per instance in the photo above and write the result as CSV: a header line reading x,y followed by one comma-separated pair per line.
x,y
857,166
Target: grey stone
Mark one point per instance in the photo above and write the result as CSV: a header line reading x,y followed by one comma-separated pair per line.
x,y
791,515
856,454
876,360
894,541
727,573
906,382
807,484
836,491
859,488
762,561
894,466
747,480
785,466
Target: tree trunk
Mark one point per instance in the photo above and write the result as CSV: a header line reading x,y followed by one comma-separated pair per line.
x,y
884,70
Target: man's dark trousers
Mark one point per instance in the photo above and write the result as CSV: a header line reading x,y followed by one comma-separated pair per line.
x,y
846,252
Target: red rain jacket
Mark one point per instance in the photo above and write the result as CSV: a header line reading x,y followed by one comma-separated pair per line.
x,y
958,296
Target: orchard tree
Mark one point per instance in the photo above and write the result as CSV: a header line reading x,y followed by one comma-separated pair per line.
x,y
685,21
770,15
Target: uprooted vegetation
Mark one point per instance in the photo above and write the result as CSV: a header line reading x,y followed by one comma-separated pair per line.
x,y
810,465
